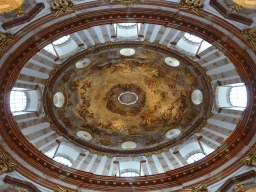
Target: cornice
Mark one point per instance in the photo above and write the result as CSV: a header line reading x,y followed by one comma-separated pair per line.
x,y
241,136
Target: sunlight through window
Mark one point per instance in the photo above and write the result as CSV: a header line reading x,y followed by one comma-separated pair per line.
x,y
238,96
130,174
61,40
195,157
18,101
62,160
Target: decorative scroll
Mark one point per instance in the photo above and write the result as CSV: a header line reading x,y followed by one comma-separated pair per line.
x,y
125,2
200,188
5,39
19,12
250,160
5,164
249,35
59,189
240,187
61,6
234,8
194,5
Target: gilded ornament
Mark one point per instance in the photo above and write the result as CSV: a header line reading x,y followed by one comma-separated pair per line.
x,y
249,35
5,40
200,188
240,187
250,160
234,8
22,190
59,189
125,2
194,5
19,12
5,164
61,6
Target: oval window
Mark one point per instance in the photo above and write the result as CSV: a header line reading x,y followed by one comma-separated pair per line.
x,y
58,99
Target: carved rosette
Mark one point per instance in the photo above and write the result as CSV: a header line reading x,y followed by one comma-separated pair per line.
x,y
61,6
125,2
5,40
249,35
250,160
193,5
200,188
240,187
59,189
5,164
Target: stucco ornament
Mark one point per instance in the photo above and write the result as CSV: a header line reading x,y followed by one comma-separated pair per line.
x,y
234,8
125,2
59,189
5,40
250,160
249,35
240,187
194,5
61,6
200,188
19,12
5,164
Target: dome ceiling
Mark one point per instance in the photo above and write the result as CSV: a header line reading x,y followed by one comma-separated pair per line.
x,y
116,100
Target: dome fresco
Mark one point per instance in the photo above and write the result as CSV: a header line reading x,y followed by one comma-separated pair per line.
x,y
135,99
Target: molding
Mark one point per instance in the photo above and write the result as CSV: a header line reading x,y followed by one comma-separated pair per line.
x,y
20,183
231,182
228,14
24,19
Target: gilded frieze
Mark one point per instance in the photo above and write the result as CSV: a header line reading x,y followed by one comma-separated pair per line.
x,y
61,6
200,188
5,164
239,187
250,36
234,8
5,40
193,5
125,2
250,160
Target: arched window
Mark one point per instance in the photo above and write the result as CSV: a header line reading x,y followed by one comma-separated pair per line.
x,y
195,157
61,40
238,96
18,101
130,174
62,160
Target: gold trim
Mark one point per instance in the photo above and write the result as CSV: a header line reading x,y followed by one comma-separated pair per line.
x,y
59,189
